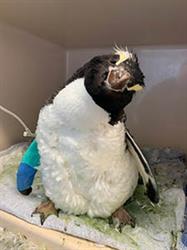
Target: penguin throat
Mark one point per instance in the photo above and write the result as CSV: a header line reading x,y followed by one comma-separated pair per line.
x,y
112,102
118,117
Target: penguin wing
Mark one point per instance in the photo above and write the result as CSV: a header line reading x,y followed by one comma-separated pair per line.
x,y
143,168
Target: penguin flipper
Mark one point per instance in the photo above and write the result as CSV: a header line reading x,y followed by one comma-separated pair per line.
x,y
144,169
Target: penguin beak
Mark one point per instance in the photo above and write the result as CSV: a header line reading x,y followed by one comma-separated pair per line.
x,y
136,87
118,79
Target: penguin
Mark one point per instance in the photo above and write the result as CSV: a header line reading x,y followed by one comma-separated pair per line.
x,y
89,162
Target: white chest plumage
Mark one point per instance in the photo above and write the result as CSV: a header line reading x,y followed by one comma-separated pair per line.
x,y
84,165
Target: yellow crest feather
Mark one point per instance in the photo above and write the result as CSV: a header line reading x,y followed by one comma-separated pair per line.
x,y
123,54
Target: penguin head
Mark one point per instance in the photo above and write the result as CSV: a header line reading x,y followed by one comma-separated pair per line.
x,y
112,80
105,74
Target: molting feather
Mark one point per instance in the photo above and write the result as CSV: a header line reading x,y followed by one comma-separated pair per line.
x,y
123,54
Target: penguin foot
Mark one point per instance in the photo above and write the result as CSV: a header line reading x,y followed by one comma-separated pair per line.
x,y
45,209
121,217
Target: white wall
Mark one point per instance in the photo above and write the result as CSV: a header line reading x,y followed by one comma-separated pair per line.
x,y
158,115
30,70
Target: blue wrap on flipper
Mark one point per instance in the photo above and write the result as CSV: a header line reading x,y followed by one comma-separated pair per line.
x,y
25,176
28,167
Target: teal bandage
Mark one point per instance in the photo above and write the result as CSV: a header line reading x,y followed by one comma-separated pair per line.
x,y
32,156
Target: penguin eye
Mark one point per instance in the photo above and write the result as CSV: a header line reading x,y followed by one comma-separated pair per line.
x,y
113,61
